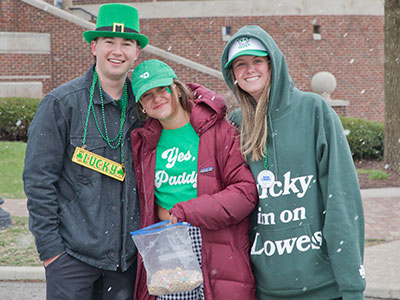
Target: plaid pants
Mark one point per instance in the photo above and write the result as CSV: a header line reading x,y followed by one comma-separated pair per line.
x,y
197,293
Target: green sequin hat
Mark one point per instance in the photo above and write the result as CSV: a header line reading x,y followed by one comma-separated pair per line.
x,y
117,20
150,74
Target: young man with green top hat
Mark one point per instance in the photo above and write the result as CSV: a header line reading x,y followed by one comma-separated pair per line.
x,y
78,174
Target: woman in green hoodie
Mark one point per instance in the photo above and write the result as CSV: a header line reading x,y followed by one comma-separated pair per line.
x,y
307,233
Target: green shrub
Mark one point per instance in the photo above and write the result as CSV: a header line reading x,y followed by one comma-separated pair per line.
x,y
365,137
374,174
16,114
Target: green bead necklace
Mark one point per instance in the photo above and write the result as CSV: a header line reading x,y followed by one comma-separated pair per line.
x,y
124,104
266,157
266,178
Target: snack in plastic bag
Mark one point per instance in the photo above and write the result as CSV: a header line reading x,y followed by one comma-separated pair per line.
x,y
168,258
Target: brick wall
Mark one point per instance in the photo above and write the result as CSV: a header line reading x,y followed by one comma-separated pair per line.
x,y
8,15
70,54
351,48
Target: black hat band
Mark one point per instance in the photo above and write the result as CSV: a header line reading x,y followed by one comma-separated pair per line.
x,y
116,28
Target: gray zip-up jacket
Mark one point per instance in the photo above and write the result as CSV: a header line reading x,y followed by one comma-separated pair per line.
x,y
71,207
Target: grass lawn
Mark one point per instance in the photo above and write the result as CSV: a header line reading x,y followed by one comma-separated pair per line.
x,y
12,156
373,174
17,247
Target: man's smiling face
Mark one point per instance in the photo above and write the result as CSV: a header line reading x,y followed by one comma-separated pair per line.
x,y
114,56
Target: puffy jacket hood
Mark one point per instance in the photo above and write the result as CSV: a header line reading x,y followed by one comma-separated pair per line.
x,y
282,86
210,108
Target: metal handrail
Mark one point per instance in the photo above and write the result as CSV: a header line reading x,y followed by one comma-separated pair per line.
x,y
92,16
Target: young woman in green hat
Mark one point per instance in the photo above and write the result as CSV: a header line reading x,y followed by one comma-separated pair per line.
x,y
307,232
189,168
78,173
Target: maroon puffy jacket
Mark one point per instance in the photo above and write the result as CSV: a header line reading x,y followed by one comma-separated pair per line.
x,y
226,196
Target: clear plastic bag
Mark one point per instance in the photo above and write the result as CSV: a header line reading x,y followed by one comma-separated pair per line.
x,y
168,258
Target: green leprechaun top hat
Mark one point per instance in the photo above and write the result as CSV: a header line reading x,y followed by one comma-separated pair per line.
x,y
117,20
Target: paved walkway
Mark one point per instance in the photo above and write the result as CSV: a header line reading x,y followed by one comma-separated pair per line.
x,y
16,207
382,213
382,262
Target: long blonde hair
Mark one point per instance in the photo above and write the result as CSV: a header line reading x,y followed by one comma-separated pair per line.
x,y
254,127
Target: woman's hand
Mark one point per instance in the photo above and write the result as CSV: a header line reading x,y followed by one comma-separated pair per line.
x,y
173,219
164,214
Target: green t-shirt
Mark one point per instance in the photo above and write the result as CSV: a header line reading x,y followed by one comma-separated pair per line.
x,y
176,166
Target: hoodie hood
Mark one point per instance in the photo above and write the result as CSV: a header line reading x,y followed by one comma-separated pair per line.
x,y
282,86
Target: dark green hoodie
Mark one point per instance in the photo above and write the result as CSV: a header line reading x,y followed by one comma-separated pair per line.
x,y
307,233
